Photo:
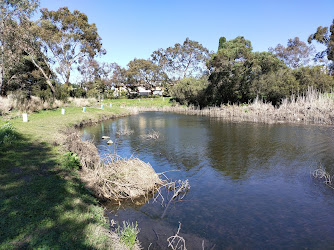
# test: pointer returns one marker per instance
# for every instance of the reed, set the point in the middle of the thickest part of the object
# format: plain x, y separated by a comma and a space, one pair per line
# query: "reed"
152, 135
313, 107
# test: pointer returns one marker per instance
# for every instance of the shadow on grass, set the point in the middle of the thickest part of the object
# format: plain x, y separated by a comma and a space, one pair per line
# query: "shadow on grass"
40, 206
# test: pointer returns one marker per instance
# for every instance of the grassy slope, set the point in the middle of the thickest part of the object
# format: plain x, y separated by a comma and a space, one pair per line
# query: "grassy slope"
41, 204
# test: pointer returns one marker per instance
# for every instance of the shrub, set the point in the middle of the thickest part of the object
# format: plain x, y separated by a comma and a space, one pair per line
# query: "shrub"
71, 161
7, 134
189, 91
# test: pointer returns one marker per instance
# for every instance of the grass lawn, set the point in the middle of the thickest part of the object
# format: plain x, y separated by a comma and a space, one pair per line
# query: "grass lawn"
42, 204
142, 102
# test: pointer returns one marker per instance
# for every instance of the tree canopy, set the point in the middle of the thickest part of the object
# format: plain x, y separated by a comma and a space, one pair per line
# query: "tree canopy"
67, 38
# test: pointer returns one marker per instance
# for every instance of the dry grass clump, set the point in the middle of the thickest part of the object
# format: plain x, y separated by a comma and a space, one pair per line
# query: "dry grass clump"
152, 135
124, 132
6, 105
85, 150
122, 179
22, 104
82, 102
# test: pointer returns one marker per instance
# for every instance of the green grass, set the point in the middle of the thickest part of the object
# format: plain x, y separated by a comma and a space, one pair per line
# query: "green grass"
43, 203
128, 233
142, 102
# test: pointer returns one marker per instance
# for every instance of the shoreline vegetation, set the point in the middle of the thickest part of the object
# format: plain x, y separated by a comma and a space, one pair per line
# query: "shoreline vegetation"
311, 108
44, 204
54, 199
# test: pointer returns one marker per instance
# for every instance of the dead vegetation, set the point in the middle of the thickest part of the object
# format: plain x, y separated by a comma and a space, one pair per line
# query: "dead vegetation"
176, 241
320, 173
20, 103
119, 179
124, 132
152, 135
313, 107
177, 190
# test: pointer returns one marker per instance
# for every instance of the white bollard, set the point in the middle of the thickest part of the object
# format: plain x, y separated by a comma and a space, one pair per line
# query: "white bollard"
101, 106
63, 111
84, 109
139, 99
110, 105
163, 98
151, 99
25, 117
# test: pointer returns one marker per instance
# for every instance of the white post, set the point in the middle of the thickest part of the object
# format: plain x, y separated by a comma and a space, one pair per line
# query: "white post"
101, 106
110, 105
163, 98
63, 111
84, 109
139, 99
25, 117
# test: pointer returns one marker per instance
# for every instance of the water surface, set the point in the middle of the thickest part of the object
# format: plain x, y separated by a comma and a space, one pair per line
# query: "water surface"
251, 186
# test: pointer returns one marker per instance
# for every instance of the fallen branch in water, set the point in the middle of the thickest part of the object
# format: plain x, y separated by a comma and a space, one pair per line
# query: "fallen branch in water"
176, 241
320, 173
153, 135
179, 188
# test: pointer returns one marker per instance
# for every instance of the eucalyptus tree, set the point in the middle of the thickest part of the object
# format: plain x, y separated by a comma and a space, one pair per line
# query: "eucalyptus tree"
325, 36
296, 54
182, 60
11, 12
67, 38
144, 72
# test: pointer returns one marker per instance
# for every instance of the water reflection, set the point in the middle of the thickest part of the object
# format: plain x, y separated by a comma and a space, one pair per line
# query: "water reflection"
250, 183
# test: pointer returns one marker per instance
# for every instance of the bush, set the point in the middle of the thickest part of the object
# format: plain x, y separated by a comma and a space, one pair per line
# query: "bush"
71, 161
7, 134
190, 91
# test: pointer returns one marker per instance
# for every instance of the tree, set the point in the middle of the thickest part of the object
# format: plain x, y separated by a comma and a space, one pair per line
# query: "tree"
325, 36
30, 42
11, 11
231, 70
144, 72
67, 38
182, 60
190, 91
240, 75
295, 54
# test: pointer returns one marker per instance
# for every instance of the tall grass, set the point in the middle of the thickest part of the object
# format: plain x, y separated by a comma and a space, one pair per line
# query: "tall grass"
313, 107
22, 104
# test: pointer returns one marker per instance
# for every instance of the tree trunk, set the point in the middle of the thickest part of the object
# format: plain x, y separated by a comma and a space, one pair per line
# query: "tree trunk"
67, 82
2, 63
48, 81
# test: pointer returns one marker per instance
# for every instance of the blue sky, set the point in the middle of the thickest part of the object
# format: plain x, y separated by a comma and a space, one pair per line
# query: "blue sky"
134, 29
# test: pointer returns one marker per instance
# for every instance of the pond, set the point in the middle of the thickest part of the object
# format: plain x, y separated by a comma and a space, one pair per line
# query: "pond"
251, 185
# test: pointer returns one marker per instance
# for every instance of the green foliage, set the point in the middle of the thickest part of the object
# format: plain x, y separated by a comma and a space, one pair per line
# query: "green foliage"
240, 75
325, 36
182, 60
8, 134
128, 233
145, 73
71, 161
62, 92
316, 77
190, 91
69, 37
